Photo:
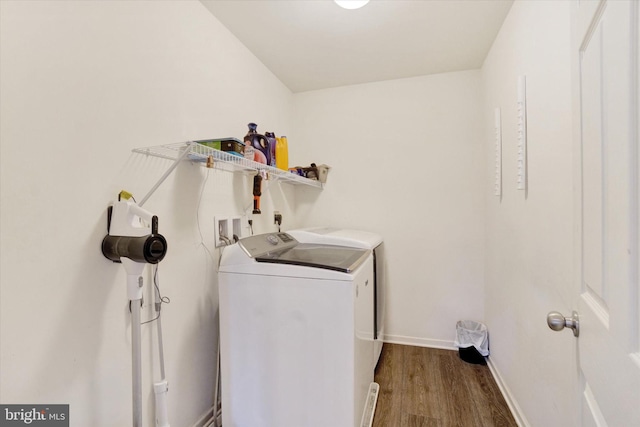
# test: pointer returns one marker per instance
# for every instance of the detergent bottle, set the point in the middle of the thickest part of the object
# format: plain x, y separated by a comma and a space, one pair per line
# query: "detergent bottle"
271, 139
282, 153
259, 143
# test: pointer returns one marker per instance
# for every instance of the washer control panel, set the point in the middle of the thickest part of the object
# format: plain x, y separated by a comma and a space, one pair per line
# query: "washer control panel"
262, 244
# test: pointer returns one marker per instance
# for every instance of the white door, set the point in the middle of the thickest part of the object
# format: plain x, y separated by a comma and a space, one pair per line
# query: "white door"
605, 48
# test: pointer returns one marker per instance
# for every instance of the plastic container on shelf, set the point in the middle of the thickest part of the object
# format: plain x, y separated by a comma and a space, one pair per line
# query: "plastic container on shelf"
282, 153
259, 143
230, 145
271, 140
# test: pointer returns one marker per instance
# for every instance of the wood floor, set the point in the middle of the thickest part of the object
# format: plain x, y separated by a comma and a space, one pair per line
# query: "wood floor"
426, 387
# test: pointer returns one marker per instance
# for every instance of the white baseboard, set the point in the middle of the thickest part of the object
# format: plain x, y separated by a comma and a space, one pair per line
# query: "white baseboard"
449, 345
420, 342
521, 420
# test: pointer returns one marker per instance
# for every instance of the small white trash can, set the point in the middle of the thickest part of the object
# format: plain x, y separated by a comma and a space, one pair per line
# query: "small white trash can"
472, 340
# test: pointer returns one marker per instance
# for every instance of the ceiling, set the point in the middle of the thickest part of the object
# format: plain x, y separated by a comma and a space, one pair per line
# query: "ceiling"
315, 44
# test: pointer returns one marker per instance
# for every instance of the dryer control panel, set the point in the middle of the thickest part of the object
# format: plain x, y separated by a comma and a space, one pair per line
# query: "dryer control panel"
262, 244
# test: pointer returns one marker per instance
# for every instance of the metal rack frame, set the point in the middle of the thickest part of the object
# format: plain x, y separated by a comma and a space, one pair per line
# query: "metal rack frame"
211, 157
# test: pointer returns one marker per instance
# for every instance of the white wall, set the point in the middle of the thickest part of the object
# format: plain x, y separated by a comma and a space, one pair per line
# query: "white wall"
407, 163
529, 234
83, 83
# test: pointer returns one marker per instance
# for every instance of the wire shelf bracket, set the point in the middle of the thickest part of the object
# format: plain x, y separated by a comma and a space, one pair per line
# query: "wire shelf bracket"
209, 157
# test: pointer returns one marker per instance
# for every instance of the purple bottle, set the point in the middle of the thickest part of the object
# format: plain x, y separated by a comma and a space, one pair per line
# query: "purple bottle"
271, 139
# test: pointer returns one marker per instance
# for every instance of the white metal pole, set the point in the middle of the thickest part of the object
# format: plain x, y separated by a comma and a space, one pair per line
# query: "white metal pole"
160, 348
160, 388
136, 357
158, 307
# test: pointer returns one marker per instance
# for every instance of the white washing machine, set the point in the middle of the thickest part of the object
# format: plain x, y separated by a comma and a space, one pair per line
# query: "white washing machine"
357, 239
296, 333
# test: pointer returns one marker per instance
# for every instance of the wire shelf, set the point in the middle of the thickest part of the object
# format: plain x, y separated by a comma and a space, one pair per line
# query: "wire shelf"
224, 160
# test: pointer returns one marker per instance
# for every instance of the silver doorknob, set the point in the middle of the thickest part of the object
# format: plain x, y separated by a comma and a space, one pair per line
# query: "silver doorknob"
558, 322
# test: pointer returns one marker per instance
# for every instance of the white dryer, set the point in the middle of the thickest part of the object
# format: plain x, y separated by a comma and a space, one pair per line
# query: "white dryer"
296, 333
357, 239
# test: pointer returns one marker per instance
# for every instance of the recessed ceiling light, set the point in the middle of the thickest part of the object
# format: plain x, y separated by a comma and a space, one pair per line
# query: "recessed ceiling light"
351, 4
